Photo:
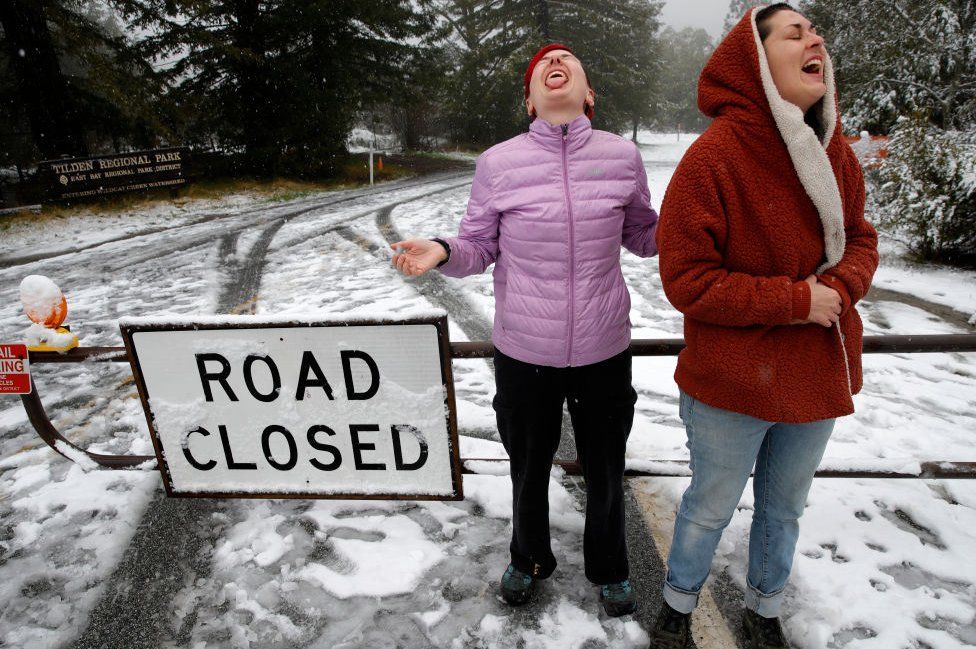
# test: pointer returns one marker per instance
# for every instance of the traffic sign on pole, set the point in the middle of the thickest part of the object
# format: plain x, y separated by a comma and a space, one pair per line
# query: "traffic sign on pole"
14, 370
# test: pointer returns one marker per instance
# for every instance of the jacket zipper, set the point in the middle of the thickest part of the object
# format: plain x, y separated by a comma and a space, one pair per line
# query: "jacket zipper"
572, 248
847, 363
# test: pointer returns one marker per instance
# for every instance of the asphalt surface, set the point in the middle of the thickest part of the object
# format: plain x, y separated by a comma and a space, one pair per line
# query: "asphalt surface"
176, 537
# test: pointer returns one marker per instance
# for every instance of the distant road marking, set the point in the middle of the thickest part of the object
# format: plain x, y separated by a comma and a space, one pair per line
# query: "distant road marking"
247, 306
709, 627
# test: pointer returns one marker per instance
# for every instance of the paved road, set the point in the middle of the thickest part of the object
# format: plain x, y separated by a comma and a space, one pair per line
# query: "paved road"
172, 548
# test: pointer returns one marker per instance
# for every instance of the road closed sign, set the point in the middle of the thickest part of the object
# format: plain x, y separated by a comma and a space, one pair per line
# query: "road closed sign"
243, 407
14, 370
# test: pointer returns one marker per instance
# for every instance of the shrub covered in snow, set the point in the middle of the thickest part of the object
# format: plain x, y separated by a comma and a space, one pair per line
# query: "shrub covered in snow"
926, 191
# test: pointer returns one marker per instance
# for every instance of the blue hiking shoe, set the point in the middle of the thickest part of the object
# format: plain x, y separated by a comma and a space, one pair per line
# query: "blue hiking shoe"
517, 587
618, 599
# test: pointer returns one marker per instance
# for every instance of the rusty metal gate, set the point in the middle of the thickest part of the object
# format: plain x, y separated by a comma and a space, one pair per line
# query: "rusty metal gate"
465, 350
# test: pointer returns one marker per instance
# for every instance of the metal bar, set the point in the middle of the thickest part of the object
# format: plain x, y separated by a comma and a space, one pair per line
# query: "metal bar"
926, 344
678, 468
921, 344
481, 349
38, 417
82, 354
34, 209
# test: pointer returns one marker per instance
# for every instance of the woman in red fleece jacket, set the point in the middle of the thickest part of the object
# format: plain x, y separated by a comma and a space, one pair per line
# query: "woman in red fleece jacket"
765, 249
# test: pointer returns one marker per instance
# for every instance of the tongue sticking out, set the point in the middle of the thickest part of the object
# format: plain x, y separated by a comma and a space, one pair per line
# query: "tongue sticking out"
555, 81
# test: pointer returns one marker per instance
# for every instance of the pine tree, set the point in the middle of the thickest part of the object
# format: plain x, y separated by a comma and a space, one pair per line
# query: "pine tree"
73, 81
492, 43
921, 57
618, 44
685, 53
913, 75
280, 81
738, 9
926, 191
41, 91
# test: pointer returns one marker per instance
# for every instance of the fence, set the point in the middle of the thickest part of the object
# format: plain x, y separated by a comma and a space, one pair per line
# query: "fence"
465, 350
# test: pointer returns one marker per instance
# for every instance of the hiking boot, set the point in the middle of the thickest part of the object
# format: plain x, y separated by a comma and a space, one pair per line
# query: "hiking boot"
517, 587
672, 629
763, 632
618, 599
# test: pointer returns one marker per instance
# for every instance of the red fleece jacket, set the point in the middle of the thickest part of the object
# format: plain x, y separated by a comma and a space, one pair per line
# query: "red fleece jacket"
758, 203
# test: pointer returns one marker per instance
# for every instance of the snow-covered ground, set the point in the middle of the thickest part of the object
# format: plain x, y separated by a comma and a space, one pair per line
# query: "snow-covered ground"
881, 563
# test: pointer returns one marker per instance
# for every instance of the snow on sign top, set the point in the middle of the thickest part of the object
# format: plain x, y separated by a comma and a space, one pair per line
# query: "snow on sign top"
251, 320
262, 407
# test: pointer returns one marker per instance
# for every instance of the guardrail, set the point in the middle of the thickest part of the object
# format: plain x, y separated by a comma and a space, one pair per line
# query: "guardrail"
462, 350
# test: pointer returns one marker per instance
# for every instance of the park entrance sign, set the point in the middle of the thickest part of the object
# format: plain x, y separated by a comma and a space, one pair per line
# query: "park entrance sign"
111, 174
243, 407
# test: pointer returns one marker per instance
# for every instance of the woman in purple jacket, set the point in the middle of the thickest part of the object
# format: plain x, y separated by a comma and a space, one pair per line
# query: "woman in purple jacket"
551, 208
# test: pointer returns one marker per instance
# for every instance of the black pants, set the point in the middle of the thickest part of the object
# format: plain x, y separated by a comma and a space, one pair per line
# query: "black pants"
529, 409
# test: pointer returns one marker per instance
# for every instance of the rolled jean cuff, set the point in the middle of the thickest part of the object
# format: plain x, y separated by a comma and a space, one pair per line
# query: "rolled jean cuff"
762, 604
682, 601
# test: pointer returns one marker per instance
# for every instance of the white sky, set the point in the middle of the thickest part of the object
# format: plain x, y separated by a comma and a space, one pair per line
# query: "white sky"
707, 14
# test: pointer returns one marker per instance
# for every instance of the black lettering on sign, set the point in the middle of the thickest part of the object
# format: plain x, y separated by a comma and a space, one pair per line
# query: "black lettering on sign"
292, 449
229, 455
196, 464
374, 381
249, 379
206, 376
309, 364
358, 447
398, 449
319, 446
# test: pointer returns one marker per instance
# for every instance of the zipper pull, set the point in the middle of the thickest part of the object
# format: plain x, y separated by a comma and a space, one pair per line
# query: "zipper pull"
565, 128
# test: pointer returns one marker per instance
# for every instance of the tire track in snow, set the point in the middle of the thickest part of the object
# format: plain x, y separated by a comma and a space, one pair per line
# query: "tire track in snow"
947, 313
175, 540
215, 217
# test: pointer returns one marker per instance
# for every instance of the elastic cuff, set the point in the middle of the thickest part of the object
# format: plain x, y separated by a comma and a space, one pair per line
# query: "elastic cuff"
800, 292
762, 604
447, 249
680, 600
837, 285
535, 570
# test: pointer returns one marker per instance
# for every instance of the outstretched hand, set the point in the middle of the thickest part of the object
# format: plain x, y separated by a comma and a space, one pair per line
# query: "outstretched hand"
416, 256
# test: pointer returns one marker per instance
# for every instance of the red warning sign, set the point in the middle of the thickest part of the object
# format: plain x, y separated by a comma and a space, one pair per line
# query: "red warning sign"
14, 370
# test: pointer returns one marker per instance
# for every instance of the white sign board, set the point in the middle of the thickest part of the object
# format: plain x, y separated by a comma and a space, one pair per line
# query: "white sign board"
240, 407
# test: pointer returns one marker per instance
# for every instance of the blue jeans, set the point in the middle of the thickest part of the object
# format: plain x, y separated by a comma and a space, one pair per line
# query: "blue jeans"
724, 446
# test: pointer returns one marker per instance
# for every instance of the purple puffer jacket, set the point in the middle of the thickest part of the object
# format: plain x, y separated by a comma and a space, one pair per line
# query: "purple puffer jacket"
551, 208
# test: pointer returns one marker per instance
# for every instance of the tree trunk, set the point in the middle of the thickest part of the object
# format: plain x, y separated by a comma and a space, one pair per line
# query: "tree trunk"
40, 88
543, 6
261, 152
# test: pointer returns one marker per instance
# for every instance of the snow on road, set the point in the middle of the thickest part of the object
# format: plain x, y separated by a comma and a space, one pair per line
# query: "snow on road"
880, 563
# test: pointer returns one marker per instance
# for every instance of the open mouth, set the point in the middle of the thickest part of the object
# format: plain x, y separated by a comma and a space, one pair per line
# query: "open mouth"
556, 79
813, 67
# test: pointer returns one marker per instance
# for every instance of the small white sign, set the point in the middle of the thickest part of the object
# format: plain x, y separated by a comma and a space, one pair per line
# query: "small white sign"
252, 408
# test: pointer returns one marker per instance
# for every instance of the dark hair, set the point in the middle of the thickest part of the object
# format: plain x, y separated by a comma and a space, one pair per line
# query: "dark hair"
764, 14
